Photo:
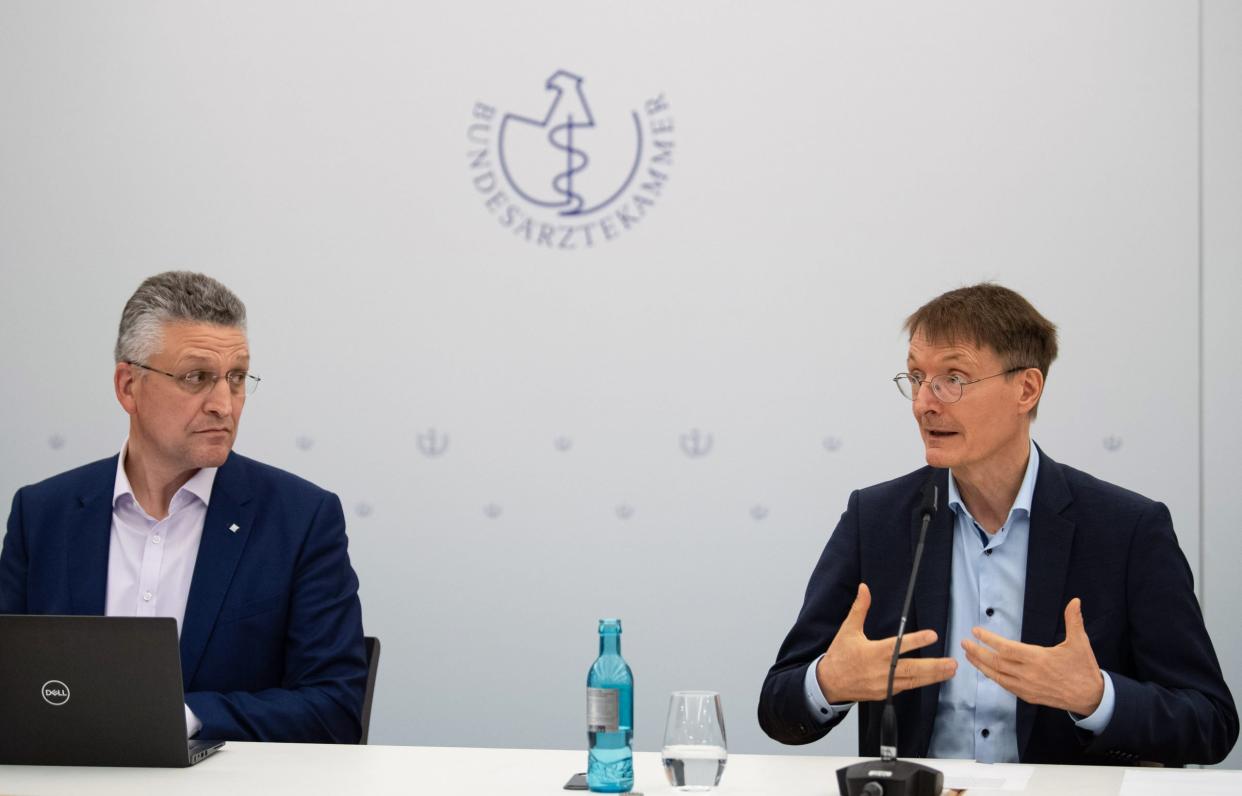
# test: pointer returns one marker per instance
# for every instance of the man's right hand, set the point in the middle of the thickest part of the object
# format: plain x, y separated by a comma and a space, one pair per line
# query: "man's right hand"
855, 668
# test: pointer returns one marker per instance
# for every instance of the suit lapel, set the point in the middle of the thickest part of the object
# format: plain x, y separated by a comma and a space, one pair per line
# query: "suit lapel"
930, 608
1047, 565
226, 530
88, 552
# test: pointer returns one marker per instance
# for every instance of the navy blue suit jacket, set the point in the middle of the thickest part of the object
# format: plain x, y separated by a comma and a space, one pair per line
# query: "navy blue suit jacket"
271, 645
1113, 548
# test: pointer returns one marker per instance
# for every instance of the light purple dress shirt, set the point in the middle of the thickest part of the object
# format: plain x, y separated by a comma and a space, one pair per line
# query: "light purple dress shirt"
151, 562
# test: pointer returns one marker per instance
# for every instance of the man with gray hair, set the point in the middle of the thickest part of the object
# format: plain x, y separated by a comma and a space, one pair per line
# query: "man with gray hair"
251, 561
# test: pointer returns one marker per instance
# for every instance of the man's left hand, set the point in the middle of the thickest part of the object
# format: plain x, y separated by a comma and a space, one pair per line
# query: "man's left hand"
1065, 676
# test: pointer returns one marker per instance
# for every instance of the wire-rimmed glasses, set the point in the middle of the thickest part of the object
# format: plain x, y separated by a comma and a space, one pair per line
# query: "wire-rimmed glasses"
945, 386
197, 381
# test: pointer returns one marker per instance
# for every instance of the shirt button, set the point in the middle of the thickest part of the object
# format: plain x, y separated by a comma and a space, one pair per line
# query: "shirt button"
990, 611
156, 539
984, 732
146, 597
988, 552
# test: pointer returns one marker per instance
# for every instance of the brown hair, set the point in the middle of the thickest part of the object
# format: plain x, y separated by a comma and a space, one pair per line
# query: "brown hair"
989, 315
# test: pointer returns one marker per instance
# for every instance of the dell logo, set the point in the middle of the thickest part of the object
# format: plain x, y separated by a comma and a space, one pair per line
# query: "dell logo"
55, 692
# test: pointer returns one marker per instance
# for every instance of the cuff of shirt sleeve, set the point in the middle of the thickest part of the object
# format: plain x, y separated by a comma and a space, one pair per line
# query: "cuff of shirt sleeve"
192, 724
1097, 721
815, 700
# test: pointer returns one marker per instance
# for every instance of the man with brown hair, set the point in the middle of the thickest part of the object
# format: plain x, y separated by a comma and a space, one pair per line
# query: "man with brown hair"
1054, 616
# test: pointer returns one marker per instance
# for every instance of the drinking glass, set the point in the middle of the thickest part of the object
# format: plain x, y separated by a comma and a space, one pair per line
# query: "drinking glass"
695, 748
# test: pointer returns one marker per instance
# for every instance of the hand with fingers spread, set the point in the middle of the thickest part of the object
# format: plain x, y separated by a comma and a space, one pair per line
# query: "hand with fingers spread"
1065, 676
855, 668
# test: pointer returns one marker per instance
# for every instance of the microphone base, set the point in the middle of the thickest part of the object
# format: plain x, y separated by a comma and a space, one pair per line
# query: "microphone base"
889, 778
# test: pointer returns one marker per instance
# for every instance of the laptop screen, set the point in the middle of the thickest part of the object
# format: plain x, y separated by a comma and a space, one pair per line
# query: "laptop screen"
91, 690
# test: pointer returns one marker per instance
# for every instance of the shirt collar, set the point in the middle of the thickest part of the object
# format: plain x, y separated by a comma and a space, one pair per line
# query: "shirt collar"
1026, 492
199, 485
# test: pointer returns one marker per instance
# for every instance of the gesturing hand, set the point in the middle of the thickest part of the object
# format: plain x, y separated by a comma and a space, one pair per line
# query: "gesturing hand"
1065, 676
855, 669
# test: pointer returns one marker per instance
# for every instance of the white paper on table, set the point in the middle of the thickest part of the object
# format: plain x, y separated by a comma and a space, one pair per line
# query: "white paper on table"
967, 774
1163, 781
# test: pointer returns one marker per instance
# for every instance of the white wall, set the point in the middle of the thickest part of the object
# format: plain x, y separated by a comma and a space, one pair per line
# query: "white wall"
835, 164
1222, 328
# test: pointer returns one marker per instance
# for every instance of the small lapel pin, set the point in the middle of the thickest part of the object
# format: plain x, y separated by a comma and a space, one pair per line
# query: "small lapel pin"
234, 528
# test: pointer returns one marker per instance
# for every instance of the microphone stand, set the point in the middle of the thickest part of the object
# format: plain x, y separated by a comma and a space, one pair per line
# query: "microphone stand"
889, 776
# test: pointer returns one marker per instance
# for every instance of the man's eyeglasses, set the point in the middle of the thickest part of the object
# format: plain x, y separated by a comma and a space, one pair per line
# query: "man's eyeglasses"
197, 381
947, 388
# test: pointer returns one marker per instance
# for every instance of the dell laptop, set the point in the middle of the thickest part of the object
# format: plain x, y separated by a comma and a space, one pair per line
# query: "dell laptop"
93, 691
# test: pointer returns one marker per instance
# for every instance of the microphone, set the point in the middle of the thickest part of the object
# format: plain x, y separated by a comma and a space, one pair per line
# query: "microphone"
889, 776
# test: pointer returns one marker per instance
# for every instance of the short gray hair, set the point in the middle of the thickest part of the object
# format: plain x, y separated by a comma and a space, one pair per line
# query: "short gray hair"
171, 297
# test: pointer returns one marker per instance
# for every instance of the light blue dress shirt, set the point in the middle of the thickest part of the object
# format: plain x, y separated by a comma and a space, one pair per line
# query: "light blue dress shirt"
976, 718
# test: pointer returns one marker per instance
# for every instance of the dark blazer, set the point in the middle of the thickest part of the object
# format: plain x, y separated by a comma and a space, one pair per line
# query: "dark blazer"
271, 645
1113, 548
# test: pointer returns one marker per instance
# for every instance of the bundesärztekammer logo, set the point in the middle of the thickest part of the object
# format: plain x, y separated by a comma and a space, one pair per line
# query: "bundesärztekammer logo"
570, 178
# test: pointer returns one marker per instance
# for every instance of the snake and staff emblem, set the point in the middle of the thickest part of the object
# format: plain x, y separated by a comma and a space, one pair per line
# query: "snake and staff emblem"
547, 161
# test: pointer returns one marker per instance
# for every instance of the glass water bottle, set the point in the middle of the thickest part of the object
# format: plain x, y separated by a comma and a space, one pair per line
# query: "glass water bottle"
610, 715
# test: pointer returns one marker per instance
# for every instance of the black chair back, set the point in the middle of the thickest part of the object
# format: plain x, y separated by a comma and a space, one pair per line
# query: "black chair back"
373, 652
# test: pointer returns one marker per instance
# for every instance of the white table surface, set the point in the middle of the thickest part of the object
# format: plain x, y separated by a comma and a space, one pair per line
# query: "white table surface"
273, 769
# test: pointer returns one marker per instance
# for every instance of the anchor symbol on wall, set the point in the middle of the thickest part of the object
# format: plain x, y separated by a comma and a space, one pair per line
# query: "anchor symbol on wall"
432, 442
696, 443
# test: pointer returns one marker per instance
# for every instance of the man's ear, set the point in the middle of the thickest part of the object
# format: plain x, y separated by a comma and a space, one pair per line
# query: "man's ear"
1031, 382
123, 381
